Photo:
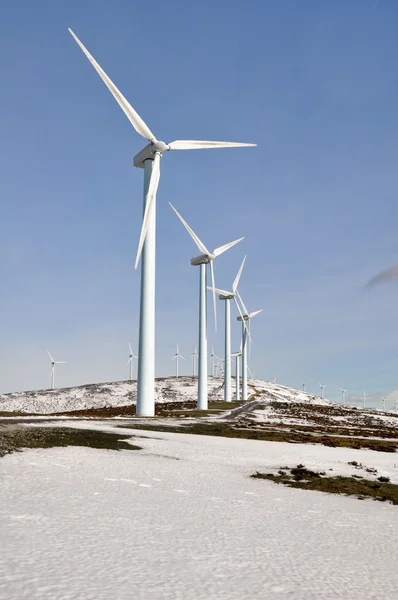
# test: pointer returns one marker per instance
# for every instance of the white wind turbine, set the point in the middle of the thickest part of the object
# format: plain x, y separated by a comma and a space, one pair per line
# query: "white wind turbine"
53, 363
322, 388
213, 356
130, 361
364, 400
227, 297
237, 356
176, 357
384, 403
343, 395
149, 160
194, 357
204, 259
245, 319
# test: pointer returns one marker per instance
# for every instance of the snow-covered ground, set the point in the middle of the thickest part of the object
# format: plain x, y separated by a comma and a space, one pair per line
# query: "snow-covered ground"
123, 393
182, 519
99, 395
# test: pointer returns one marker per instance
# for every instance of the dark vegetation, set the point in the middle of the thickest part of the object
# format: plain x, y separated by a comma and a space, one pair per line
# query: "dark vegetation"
14, 438
236, 430
305, 479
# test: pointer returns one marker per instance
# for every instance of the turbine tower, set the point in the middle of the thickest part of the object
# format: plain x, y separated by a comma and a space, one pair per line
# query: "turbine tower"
176, 356
245, 319
53, 363
322, 388
384, 403
364, 400
342, 396
194, 357
149, 160
227, 297
130, 361
206, 258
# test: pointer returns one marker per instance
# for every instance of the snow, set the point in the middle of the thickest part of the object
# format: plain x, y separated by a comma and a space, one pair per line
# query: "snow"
182, 519
123, 393
119, 393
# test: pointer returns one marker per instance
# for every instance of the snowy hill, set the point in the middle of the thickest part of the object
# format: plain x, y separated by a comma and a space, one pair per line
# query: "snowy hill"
123, 393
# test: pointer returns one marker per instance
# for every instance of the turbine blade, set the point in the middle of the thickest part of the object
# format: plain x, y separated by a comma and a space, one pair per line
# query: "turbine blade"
256, 312
60, 362
193, 235
52, 360
129, 360
236, 281
213, 284
149, 204
201, 144
243, 304
240, 313
223, 292
131, 352
181, 357
222, 249
139, 125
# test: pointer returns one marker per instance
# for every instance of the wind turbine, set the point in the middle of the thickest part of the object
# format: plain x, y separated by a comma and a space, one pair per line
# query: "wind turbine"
194, 357
176, 356
237, 356
343, 396
303, 387
384, 403
149, 160
130, 361
206, 258
396, 404
53, 363
322, 388
364, 400
246, 319
227, 297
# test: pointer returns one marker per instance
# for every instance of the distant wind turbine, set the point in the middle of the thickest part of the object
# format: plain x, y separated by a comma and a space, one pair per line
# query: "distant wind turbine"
130, 361
384, 403
322, 388
364, 400
149, 160
194, 357
343, 396
176, 357
53, 363
227, 297
206, 258
246, 320
237, 356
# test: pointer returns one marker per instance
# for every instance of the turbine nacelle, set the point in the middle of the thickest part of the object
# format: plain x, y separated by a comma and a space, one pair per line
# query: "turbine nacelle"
203, 259
148, 153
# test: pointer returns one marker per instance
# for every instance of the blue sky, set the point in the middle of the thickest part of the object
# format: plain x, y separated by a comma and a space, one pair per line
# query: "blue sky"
313, 83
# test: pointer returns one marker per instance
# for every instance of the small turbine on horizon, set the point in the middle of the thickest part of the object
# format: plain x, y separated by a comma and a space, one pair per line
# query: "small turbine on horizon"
53, 363
202, 261
384, 403
177, 356
364, 400
130, 361
237, 356
194, 357
343, 396
322, 388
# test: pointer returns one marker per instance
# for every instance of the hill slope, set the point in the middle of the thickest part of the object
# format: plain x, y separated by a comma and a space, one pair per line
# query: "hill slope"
123, 393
